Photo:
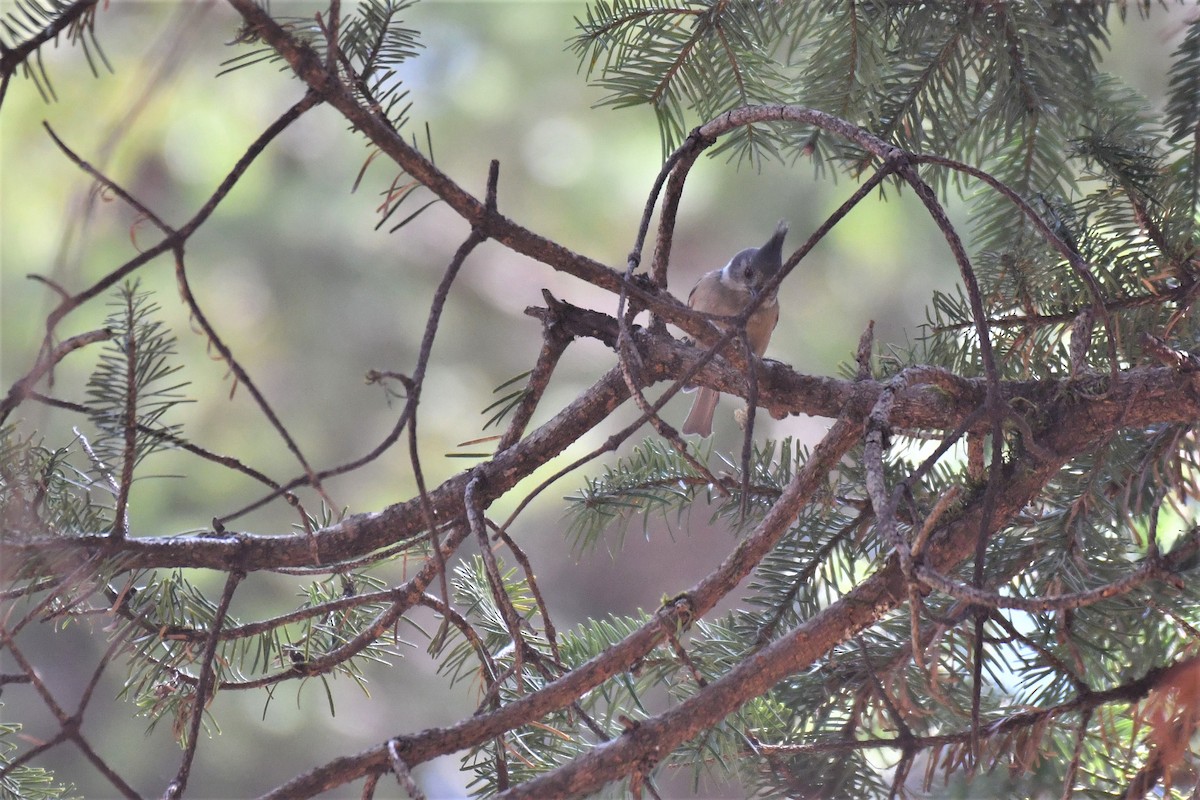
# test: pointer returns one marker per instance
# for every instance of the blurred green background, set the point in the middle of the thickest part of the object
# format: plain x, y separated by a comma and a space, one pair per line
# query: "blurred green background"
298, 282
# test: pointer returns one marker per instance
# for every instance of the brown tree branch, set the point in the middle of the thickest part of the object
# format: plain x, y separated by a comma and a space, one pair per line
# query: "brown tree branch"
1140, 397
858, 609
183, 233
23, 388
205, 684
1083, 703
617, 658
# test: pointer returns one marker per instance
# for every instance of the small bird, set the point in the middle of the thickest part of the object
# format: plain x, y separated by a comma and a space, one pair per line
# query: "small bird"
727, 292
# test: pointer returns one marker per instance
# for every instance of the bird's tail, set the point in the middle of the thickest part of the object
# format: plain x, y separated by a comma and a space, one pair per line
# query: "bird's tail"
699, 419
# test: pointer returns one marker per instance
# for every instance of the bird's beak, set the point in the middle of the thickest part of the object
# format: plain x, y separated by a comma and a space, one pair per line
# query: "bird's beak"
770, 256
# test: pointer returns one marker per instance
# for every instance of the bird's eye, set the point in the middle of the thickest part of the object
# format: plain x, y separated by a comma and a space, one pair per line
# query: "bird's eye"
748, 273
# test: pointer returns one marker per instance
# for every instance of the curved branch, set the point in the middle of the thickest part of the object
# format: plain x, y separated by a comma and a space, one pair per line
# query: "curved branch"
182, 234
23, 388
618, 658
858, 609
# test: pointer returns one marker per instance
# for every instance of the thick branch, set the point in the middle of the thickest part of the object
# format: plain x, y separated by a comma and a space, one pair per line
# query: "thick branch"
618, 658
932, 400
880, 594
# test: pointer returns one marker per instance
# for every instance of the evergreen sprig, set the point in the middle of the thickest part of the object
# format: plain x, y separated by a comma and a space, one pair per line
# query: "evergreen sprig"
373, 43
1183, 88
42, 492
32, 24
685, 60
24, 782
377, 42
655, 480
167, 614
130, 390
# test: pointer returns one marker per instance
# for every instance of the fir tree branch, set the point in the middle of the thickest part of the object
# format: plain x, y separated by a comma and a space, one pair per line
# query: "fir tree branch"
861, 607
1162, 396
13, 57
617, 658
1086, 465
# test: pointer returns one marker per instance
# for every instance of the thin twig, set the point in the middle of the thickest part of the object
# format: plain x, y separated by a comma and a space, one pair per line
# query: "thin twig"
677, 165
1148, 570
512, 619
23, 387
243, 378
531, 581
182, 234
554, 343
490, 672
747, 423
112, 186
204, 687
